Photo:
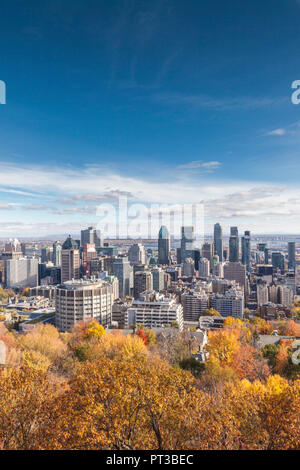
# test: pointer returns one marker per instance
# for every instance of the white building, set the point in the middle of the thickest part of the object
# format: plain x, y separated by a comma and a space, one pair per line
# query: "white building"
262, 293
77, 300
188, 267
286, 296
204, 267
218, 269
230, 304
22, 272
155, 310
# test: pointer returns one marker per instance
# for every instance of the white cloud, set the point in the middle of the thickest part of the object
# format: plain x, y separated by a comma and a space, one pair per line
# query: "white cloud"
225, 201
199, 164
278, 132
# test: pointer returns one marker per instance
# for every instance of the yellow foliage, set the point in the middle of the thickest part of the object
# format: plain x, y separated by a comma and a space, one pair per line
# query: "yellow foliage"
36, 360
95, 330
45, 340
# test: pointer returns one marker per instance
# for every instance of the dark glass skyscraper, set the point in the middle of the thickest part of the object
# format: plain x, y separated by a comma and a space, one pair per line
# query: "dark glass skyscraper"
187, 243
278, 261
163, 246
218, 242
234, 246
246, 250
291, 255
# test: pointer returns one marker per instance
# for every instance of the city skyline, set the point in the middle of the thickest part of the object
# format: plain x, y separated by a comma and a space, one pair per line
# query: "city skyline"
136, 109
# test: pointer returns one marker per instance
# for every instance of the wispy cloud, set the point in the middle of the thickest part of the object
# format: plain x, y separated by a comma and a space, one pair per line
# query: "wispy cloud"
105, 196
292, 130
277, 132
213, 165
6, 207
221, 104
76, 210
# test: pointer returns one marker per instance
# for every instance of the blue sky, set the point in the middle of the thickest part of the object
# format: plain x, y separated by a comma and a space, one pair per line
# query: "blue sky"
166, 101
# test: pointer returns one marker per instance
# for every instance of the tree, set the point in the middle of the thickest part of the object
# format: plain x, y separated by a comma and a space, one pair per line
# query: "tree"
26, 399
43, 339
289, 328
211, 312
125, 405
261, 326
142, 335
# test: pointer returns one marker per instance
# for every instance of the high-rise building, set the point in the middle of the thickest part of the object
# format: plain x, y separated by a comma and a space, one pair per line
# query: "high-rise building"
21, 272
208, 252
137, 254
278, 261
158, 277
218, 241
230, 304
188, 269
57, 254
81, 300
204, 267
163, 246
218, 270
291, 255
266, 255
196, 257
234, 245
246, 250
187, 243
142, 282
262, 293
91, 236
286, 296
123, 271
88, 253
235, 272
47, 254
70, 260
194, 304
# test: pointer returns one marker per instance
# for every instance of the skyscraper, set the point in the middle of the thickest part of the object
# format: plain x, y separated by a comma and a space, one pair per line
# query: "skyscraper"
163, 246
88, 253
246, 250
90, 236
218, 241
122, 270
187, 242
291, 255
266, 255
47, 254
234, 245
70, 260
278, 261
57, 254
235, 271
158, 278
143, 281
208, 252
137, 254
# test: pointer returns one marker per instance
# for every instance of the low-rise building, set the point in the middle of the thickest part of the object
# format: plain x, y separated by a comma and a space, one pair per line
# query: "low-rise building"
152, 309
